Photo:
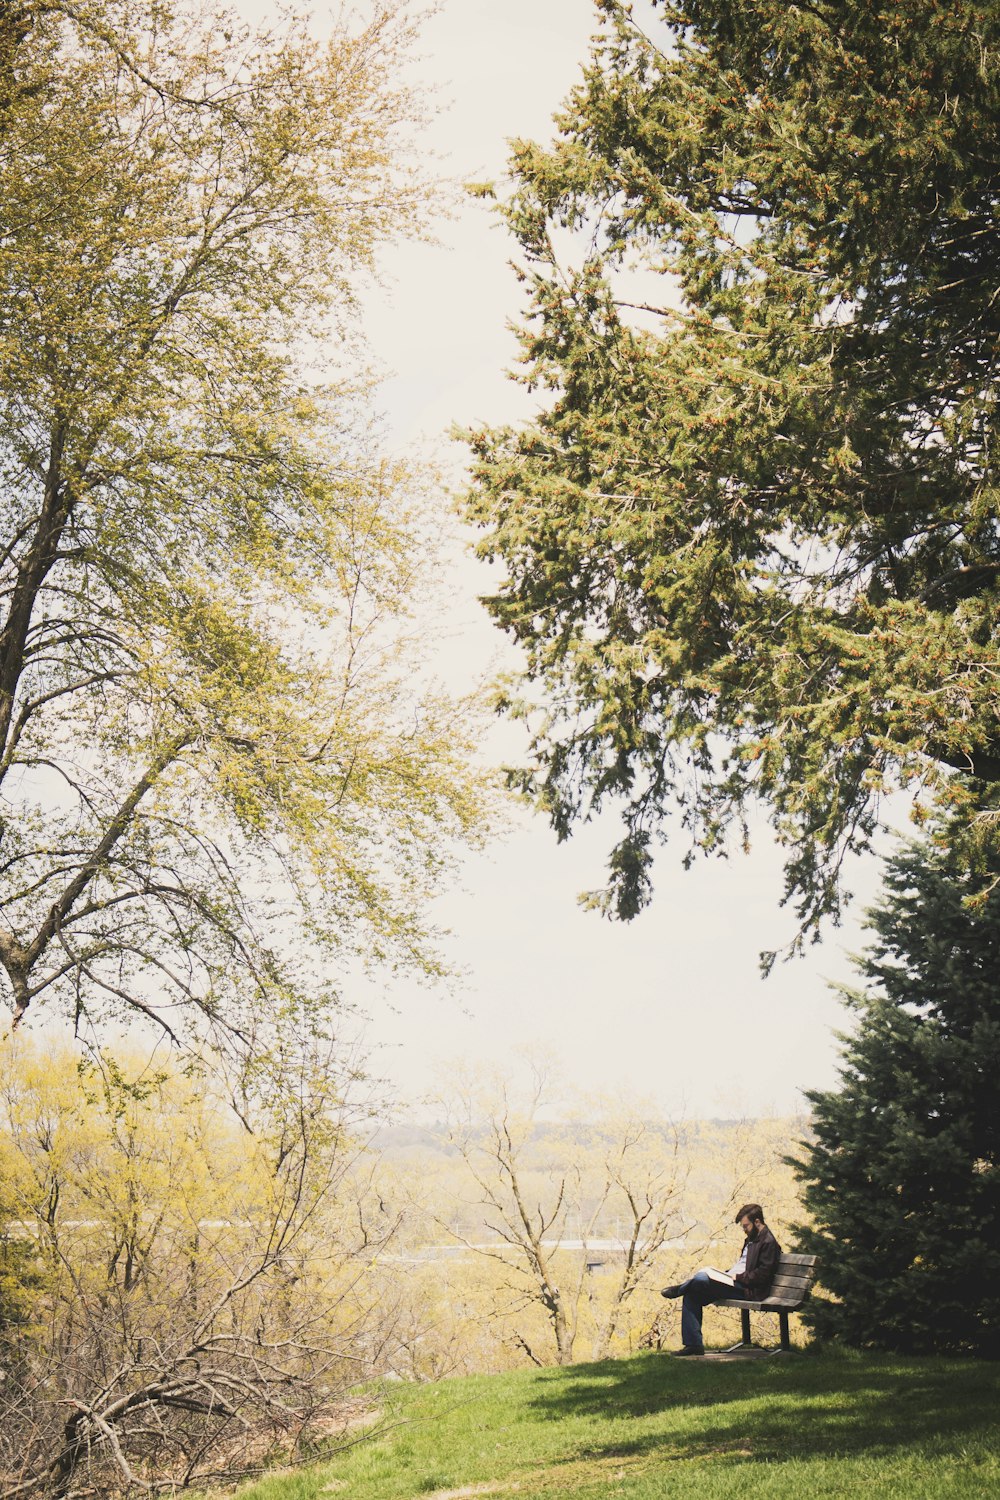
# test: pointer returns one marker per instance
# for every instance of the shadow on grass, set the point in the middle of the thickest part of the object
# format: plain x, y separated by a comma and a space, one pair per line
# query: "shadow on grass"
811, 1406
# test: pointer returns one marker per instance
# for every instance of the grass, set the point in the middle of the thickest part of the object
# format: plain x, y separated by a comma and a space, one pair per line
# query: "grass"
798, 1428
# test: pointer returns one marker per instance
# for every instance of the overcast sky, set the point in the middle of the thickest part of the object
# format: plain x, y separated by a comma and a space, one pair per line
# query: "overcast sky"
671, 1006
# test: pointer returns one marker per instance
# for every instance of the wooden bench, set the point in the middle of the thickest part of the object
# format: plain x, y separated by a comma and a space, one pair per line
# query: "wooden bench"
791, 1286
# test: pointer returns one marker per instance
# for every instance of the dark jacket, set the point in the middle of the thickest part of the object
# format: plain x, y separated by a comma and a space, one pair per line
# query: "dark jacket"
763, 1251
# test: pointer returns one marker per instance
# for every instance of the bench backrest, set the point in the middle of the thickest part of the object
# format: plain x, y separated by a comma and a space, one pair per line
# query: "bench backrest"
794, 1278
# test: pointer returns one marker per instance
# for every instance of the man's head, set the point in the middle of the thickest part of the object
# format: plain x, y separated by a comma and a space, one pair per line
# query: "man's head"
750, 1217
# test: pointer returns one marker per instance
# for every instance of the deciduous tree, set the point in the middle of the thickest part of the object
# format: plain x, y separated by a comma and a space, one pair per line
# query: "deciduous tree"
223, 766
546, 1191
200, 1290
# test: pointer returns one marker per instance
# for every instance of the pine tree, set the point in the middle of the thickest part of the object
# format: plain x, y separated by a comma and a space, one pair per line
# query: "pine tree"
903, 1176
750, 542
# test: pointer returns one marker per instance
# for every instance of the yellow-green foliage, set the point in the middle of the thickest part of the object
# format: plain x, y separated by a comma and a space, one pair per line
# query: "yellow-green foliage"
223, 764
144, 1198
137, 1186
202, 1283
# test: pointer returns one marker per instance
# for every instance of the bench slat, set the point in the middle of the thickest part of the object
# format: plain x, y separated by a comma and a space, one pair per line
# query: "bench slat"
769, 1304
782, 1294
797, 1260
794, 1286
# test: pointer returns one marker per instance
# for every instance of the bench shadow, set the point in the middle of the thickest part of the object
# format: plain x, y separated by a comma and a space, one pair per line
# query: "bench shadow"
812, 1407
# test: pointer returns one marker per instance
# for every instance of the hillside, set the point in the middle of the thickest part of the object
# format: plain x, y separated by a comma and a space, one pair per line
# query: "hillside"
804, 1426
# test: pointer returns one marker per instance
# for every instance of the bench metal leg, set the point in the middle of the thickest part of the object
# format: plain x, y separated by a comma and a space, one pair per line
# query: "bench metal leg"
747, 1342
786, 1342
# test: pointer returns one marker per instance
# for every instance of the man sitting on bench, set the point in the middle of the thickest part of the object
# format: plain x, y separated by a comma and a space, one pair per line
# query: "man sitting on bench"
750, 1278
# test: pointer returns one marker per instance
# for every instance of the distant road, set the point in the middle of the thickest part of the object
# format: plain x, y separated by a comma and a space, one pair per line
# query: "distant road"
454, 1251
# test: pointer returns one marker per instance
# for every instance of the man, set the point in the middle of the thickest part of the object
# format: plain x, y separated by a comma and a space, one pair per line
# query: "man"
752, 1276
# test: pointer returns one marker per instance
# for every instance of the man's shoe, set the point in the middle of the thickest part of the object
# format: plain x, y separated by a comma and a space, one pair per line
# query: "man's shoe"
673, 1291
688, 1349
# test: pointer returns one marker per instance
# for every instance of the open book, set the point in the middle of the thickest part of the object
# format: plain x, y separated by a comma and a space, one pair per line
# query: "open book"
723, 1277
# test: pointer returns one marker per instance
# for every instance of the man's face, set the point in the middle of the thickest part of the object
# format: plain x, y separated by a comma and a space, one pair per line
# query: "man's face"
746, 1224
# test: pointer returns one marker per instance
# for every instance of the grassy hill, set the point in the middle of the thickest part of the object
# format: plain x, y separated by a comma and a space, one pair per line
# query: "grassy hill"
800, 1427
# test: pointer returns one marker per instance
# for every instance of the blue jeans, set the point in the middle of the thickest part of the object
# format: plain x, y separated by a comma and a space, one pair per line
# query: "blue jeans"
699, 1291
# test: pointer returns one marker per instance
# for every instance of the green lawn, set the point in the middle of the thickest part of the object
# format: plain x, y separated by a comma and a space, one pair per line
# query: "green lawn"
797, 1427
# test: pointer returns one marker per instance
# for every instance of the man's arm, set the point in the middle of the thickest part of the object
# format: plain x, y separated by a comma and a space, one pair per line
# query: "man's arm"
759, 1279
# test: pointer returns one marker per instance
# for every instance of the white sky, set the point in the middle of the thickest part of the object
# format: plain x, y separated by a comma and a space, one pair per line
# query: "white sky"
670, 1007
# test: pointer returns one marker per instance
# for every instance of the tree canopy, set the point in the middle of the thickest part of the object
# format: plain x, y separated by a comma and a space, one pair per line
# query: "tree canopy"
222, 764
902, 1178
750, 538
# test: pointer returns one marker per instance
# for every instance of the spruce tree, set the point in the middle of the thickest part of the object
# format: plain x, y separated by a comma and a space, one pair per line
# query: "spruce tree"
903, 1176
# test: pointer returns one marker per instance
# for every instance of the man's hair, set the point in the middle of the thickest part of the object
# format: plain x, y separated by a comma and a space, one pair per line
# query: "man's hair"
750, 1211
